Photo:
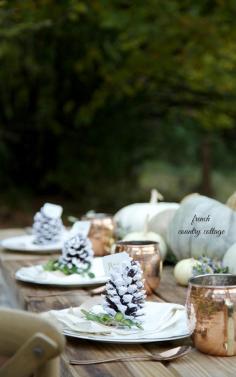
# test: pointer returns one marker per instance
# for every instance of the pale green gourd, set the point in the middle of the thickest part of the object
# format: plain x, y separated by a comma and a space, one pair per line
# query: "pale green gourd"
221, 218
229, 259
183, 270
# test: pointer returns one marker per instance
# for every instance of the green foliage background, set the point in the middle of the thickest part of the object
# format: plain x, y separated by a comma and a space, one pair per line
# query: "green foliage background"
101, 100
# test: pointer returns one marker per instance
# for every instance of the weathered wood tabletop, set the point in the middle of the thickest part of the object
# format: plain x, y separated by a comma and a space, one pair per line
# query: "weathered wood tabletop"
38, 299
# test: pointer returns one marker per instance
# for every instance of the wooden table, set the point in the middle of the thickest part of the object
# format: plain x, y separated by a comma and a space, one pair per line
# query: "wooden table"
39, 299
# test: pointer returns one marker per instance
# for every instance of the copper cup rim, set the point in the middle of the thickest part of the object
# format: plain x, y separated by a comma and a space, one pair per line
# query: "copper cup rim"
198, 281
137, 243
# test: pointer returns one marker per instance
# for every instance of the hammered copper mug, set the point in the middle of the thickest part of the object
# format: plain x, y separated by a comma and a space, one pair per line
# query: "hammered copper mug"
211, 303
147, 253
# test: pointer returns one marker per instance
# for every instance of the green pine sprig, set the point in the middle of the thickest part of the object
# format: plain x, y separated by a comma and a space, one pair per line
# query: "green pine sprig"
106, 319
54, 265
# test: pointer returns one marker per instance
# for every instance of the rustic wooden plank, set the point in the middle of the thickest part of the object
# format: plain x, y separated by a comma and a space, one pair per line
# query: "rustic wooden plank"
86, 350
6, 296
3, 297
198, 364
168, 290
20, 294
153, 369
4, 301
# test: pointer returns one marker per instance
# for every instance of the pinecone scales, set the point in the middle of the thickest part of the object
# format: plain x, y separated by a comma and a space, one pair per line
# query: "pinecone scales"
46, 229
125, 291
77, 253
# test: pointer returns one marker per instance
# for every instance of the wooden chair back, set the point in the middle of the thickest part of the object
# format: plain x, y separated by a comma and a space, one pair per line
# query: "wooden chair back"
30, 343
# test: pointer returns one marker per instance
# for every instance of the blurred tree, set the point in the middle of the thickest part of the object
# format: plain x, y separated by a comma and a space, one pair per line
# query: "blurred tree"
89, 89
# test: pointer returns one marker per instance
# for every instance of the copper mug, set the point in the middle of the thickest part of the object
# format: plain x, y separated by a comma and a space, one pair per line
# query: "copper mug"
147, 253
211, 302
101, 232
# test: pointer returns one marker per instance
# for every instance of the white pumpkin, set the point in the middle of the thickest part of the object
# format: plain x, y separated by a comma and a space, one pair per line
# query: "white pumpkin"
132, 218
160, 222
229, 259
212, 216
183, 270
148, 236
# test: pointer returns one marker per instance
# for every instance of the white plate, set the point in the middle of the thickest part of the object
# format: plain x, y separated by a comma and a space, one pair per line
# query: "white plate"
25, 244
37, 275
105, 339
159, 325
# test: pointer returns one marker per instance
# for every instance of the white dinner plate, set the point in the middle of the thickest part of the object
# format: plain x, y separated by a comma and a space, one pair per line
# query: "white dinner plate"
158, 325
105, 339
26, 243
37, 275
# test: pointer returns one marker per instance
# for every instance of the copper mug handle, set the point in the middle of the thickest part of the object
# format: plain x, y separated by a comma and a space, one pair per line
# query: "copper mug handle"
229, 345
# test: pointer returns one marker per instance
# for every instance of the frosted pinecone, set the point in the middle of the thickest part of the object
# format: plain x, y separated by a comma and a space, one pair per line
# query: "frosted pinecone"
77, 253
46, 229
125, 291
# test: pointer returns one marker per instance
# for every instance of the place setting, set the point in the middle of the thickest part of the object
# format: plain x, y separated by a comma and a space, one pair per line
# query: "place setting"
77, 266
123, 314
47, 233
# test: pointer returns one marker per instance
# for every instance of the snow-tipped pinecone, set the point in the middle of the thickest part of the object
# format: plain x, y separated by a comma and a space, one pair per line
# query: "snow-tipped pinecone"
125, 291
77, 253
46, 229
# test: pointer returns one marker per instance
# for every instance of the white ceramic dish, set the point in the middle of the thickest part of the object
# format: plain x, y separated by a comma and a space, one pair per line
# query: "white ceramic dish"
37, 275
25, 243
162, 322
105, 339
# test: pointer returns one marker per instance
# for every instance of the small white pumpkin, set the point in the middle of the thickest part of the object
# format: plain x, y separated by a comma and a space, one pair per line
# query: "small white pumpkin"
132, 217
183, 270
148, 236
229, 259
